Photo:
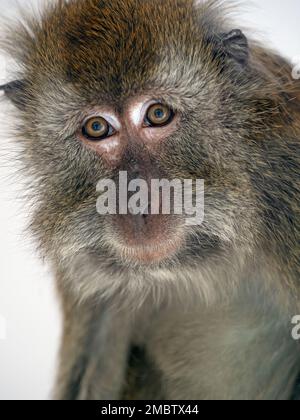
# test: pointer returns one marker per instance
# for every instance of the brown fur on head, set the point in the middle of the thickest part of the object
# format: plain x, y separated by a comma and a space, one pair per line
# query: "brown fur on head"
238, 130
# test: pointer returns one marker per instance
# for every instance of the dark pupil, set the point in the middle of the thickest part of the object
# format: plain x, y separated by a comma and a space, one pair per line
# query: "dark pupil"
159, 113
97, 126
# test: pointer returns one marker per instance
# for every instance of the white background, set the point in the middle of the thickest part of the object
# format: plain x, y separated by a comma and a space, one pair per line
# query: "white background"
27, 302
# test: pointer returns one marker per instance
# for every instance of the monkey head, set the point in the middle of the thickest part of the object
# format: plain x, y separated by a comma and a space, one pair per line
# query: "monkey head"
161, 90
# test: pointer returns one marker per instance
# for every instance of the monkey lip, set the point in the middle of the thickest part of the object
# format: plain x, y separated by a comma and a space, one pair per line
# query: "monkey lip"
151, 253
147, 240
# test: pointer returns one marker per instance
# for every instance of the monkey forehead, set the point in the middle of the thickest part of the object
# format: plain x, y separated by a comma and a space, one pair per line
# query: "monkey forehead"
119, 45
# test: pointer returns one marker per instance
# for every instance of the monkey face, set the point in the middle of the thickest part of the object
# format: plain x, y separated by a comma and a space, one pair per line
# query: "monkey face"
142, 88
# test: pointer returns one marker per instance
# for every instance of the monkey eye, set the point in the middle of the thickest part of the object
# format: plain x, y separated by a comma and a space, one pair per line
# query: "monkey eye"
158, 115
97, 128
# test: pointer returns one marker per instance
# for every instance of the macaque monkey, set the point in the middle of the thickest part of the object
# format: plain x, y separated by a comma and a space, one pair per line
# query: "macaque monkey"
154, 308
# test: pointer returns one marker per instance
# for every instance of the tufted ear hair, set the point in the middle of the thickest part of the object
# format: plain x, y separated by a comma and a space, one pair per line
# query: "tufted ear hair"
15, 92
230, 47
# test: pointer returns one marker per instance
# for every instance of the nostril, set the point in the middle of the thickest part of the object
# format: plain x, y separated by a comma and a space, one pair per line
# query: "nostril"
146, 211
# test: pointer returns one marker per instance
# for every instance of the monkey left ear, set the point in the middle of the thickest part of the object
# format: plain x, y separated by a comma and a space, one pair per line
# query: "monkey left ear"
15, 91
231, 46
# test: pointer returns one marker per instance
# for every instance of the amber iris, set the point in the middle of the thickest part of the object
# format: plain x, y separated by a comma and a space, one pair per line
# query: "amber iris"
96, 128
159, 115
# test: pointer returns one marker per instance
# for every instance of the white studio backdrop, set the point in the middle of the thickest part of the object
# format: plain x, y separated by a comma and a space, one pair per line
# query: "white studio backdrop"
29, 316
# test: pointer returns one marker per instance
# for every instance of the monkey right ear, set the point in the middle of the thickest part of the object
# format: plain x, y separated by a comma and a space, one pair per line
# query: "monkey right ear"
232, 46
15, 92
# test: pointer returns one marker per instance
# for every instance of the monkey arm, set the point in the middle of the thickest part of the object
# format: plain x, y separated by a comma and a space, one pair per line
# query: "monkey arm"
296, 392
93, 354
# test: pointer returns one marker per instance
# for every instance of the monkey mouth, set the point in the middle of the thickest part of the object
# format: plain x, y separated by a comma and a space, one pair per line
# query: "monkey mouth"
148, 249
151, 254
146, 240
